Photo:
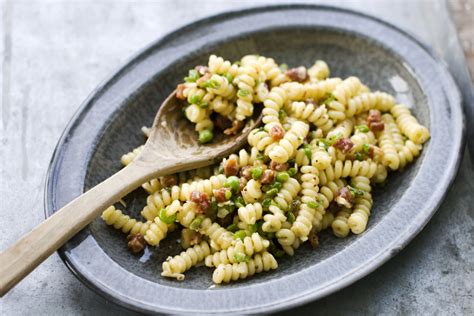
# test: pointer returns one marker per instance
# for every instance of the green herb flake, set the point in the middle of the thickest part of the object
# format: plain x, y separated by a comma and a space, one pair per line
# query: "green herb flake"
240, 257
241, 234
312, 204
329, 98
232, 228
193, 76
362, 128
165, 218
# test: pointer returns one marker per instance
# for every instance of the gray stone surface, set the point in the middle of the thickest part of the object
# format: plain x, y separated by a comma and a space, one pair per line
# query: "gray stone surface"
53, 55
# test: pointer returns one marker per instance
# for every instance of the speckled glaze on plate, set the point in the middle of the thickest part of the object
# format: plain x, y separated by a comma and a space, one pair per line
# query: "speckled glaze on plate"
108, 125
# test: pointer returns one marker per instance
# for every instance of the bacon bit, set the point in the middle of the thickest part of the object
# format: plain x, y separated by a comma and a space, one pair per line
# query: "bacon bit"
202, 201
277, 133
219, 194
236, 126
231, 168
268, 176
169, 180
136, 243
279, 166
333, 207
246, 173
313, 238
297, 74
374, 121
222, 122
344, 197
180, 90
202, 69
344, 145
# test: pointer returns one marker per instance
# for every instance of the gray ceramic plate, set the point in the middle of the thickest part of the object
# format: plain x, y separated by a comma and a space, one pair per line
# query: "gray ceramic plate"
108, 124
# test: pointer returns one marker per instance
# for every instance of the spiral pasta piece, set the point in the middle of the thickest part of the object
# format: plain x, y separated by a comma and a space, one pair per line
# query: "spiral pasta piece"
217, 65
287, 146
369, 100
360, 215
318, 115
320, 90
408, 152
174, 267
246, 82
224, 273
348, 168
287, 193
386, 143
250, 213
220, 236
252, 191
156, 232
129, 157
409, 124
304, 221
239, 251
339, 226
118, 220
273, 103
319, 71
347, 89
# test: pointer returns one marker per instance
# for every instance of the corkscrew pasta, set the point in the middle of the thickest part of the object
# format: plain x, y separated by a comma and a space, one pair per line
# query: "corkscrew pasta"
310, 167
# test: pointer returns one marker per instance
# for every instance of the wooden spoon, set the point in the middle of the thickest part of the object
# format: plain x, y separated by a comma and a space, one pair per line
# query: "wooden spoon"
172, 147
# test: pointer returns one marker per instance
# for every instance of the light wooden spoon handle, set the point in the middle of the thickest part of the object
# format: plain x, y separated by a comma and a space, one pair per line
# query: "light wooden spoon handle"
27, 253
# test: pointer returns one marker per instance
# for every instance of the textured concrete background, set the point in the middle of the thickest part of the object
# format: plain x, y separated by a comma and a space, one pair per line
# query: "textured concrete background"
54, 54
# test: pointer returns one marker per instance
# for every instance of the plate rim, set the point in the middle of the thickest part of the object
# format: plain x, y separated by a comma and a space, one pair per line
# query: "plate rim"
375, 262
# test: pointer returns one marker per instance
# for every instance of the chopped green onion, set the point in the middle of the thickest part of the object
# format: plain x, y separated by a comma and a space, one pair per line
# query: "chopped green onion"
271, 193
196, 223
193, 76
165, 218
229, 77
312, 204
253, 228
232, 228
266, 203
329, 98
213, 84
232, 182
283, 176
307, 151
359, 156
355, 191
276, 185
222, 212
362, 128
239, 202
205, 136
278, 253
366, 148
291, 217
292, 171
203, 105
282, 114
228, 194
256, 172
240, 234
195, 99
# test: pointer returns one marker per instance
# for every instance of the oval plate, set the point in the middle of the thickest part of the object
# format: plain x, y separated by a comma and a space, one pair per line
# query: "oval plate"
108, 125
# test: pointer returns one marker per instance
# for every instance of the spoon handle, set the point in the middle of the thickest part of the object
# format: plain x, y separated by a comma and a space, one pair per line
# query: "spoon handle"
27, 253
